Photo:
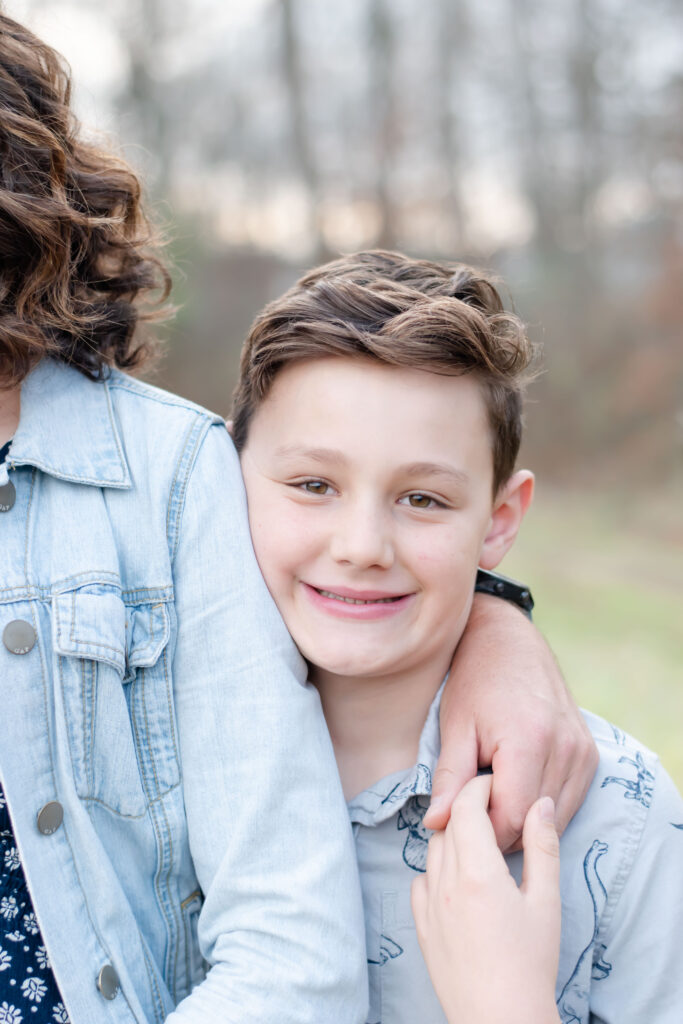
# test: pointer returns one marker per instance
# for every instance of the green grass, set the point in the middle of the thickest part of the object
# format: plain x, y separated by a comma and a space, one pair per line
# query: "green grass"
607, 578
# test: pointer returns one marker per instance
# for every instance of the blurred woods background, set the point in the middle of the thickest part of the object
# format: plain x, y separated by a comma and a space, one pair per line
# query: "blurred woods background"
543, 138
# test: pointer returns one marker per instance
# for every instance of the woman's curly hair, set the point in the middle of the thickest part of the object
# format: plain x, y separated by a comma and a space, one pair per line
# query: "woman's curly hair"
78, 260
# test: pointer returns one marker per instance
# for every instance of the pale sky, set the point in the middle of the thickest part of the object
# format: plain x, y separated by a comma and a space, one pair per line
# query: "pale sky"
85, 33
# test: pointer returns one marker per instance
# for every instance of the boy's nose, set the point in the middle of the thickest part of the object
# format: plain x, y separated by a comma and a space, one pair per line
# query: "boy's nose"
362, 538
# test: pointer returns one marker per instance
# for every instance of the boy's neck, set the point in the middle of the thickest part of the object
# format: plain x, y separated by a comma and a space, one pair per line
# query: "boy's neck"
375, 723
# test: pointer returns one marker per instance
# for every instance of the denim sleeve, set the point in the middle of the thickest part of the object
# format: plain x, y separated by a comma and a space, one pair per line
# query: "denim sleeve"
281, 926
638, 958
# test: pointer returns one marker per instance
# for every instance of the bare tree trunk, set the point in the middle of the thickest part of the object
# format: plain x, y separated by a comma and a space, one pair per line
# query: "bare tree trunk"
386, 117
144, 35
533, 141
451, 47
301, 141
582, 63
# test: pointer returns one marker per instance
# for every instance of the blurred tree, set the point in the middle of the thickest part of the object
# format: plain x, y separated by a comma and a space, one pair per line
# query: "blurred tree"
145, 26
451, 45
387, 116
533, 143
302, 146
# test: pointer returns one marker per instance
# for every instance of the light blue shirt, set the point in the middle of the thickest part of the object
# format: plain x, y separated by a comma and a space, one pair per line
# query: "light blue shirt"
621, 857
165, 708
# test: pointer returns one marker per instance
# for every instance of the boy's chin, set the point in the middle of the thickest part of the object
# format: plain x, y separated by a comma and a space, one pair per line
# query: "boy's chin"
342, 664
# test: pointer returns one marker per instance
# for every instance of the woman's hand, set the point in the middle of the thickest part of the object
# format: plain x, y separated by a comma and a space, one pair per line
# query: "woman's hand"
491, 947
506, 705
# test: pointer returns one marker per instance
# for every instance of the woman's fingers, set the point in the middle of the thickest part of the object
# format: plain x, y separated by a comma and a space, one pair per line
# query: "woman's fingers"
435, 855
457, 763
470, 914
541, 872
469, 834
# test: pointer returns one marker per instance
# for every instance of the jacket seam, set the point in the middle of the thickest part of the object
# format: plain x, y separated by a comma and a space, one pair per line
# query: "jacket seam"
117, 441
159, 1011
71, 477
163, 869
171, 716
130, 817
176, 499
29, 509
163, 595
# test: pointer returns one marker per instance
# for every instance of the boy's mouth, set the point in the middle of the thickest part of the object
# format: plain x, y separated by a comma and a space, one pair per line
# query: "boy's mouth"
357, 600
365, 604
349, 597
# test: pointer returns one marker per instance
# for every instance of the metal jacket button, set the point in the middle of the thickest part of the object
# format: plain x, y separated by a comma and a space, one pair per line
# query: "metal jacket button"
108, 982
50, 817
8, 496
19, 637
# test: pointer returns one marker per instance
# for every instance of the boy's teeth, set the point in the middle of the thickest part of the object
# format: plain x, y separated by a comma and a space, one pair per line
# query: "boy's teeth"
353, 600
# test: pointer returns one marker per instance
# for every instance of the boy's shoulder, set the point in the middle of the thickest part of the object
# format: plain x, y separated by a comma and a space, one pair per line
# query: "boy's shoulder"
629, 775
629, 788
631, 814
624, 761
622, 888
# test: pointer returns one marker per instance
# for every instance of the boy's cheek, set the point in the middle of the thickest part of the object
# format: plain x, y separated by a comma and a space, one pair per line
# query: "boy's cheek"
266, 550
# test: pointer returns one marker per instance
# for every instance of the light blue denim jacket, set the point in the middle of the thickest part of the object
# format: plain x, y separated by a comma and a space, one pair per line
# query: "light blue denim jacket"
164, 707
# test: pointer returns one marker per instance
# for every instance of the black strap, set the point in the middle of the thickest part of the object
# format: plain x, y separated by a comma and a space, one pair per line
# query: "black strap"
502, 586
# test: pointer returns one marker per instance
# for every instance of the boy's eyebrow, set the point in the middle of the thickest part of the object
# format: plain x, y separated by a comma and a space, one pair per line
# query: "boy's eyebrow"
457, 476
316, 454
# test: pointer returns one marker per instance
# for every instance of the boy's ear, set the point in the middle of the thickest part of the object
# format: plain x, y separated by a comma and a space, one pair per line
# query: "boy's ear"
512, 501
229, 424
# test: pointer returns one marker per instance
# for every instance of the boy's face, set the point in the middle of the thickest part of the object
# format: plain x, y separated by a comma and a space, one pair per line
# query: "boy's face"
370, 507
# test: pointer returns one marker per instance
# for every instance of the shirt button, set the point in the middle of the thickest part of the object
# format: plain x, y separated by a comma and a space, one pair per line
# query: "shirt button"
50, 817
19, 637
108, 982
8, 496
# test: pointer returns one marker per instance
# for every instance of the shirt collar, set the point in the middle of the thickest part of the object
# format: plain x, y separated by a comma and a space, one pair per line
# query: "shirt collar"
390, 794
67, 428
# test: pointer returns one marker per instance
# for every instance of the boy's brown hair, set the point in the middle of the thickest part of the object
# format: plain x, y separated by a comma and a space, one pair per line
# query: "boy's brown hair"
444, 318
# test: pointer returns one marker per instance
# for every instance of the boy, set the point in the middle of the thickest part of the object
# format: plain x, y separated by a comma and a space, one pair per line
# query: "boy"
378, 417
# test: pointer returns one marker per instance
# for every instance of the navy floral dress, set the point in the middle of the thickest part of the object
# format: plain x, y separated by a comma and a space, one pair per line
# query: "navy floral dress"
28, 990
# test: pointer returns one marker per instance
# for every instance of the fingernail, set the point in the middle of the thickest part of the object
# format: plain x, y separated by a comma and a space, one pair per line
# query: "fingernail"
437, 805
546, 809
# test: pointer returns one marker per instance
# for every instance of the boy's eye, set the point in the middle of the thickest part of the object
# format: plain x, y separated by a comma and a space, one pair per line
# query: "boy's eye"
316, 487
419, 501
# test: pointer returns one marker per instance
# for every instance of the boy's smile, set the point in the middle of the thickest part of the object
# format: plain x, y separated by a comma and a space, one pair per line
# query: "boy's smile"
356, 604
370, 506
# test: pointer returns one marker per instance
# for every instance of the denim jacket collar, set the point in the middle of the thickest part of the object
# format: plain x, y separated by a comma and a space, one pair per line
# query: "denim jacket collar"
67, 428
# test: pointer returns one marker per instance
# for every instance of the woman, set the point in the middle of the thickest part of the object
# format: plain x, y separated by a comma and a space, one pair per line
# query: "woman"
169, 794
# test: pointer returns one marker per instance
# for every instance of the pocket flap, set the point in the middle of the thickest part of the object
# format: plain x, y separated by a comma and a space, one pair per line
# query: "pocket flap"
148, 632
91, 626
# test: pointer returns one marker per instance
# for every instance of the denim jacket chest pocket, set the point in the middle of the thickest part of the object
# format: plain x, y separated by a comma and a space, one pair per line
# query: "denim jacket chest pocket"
112, 663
